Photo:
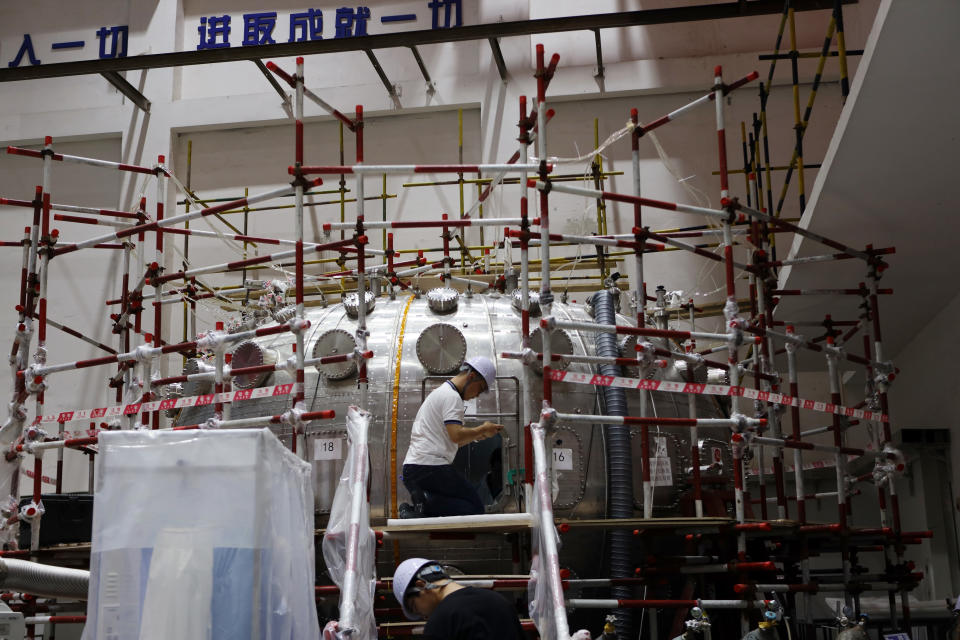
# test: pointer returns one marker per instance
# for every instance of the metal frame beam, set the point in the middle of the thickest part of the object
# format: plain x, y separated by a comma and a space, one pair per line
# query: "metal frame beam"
276, 86
391, 89
420, 37
423, 67
498, 58
599, 47
127, 89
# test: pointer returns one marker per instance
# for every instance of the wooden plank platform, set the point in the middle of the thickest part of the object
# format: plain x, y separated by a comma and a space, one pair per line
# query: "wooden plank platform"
483, 523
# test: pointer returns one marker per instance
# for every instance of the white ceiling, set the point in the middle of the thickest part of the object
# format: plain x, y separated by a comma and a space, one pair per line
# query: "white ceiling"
887, 176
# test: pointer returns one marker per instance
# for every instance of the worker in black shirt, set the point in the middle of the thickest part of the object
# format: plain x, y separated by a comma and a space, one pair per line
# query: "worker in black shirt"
453, 611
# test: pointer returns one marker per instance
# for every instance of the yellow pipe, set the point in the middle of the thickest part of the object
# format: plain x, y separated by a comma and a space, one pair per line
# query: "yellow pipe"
395, 405
798, 123
310, 204
743, 141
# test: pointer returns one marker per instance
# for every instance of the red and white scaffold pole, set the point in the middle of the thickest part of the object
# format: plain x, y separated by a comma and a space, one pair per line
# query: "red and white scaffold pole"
240, 264
793, 380
613, 196
544, 74
33, 512
524, 124
292, 81
362, 332
289, 365
694, 435
36, 372
71, 209
156, 268
425, 224
690, 106
876, 269
554, 323
797, 437
45, 245
183, 217
549, 558
391, 169
840, 463
610, 603
298, 184
290, 416
738, 422
93, 162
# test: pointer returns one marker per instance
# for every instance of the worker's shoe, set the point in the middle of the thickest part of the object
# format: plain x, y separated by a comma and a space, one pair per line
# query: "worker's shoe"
408, 511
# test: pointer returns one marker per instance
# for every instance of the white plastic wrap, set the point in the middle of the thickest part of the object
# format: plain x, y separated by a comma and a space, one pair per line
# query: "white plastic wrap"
544, 593
349, 544
205, 535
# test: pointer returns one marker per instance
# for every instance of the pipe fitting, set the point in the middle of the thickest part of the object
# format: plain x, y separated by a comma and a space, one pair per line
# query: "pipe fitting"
742, 426
32, 511
528, 356
215, 340
297, 325
549, 323
34, 381
548, 416
294, 417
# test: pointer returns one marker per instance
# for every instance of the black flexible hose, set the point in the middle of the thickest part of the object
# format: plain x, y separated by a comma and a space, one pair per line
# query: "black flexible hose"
619, 463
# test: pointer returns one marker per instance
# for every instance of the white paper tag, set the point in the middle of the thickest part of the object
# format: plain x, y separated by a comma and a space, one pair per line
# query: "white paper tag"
328, 449
661, 471
563, 459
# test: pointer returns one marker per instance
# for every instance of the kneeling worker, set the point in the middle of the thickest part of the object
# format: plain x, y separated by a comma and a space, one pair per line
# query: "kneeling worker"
437, 489
453, 611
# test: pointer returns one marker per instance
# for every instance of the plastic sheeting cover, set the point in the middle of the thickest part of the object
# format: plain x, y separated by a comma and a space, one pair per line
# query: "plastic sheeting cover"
349, 544
201, 534
541, 599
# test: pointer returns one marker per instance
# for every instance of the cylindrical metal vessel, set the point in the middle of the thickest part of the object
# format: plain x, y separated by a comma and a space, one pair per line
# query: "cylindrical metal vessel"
416, 346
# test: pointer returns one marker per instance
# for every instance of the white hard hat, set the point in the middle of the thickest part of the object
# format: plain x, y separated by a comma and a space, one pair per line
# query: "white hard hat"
485, 367
403, 578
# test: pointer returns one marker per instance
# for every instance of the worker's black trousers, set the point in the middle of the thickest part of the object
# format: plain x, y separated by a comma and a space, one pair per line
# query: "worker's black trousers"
446, 492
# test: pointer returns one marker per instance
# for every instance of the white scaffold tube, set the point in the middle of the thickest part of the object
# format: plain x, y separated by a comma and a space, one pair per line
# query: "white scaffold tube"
358, 494
549, 561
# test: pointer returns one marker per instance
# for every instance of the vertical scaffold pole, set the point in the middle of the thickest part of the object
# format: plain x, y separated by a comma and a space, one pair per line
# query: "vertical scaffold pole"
44, 248
157, 291
840, 461
640, 296
524, 126
694, 435
298, 234
874, 276
361, 266
546, 297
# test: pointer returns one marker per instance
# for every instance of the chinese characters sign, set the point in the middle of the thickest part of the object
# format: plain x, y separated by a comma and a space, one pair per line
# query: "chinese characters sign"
254, 29
226, 30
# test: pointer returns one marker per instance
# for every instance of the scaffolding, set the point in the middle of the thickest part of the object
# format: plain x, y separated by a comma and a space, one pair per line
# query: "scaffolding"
751, 341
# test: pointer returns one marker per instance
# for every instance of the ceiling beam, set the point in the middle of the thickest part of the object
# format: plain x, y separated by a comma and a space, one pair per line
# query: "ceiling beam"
416, 38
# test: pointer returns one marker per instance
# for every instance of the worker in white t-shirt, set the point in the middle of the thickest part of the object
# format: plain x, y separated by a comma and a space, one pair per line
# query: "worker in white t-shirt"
436, 488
